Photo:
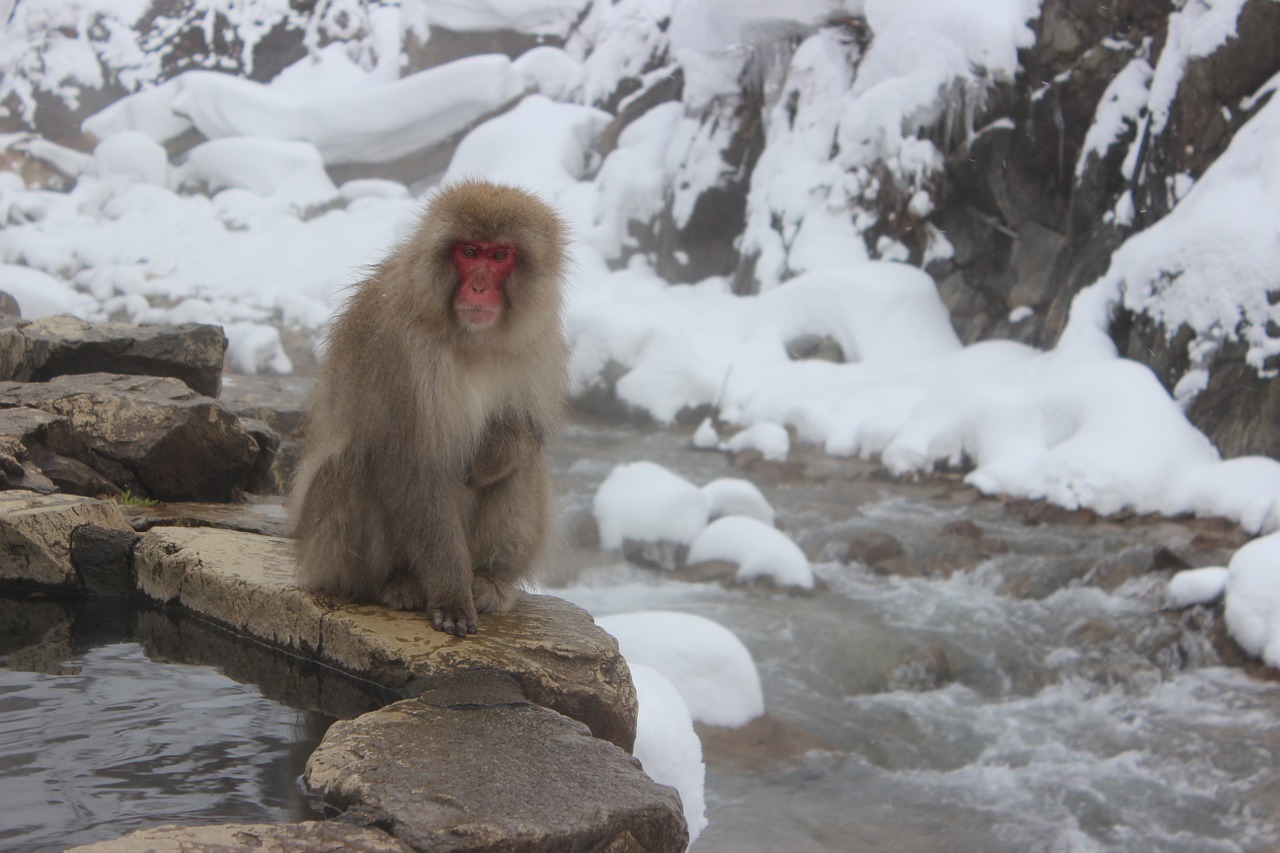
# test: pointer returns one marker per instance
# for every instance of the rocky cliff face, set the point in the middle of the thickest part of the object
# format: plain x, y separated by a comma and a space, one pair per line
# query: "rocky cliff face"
803, 138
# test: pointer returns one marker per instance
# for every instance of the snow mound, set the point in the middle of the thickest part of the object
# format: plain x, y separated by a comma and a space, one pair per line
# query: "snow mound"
646, 502
1196, 586
1253, 599
135, 156
760, 550
770, 440
292, 172
41, 295
706, 662
733, 496
666, 744
705, 436
376, 122
875, 311
255, 348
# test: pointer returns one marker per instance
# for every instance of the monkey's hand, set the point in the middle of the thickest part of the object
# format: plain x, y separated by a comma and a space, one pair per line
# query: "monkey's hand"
458, 619
508, 440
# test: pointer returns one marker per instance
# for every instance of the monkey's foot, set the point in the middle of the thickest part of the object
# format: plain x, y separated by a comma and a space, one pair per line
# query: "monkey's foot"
453, 620
491, 595
403, 593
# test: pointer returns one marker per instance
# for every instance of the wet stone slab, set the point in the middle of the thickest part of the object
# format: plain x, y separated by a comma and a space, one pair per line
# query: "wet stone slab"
476, 768
36, 535
550, 647
265, 838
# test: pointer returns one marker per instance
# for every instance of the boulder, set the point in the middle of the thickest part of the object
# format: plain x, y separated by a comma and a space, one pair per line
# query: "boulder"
36, 535
151, 435
549, 647
476, 768
42, 452
38, 350
266, 838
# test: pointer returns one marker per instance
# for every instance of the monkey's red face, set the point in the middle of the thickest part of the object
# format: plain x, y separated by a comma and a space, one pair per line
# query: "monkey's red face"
482, 275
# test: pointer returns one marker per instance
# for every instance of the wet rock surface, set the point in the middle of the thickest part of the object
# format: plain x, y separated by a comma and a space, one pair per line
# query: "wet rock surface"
232, 838
245, 581
36, 534
474, 767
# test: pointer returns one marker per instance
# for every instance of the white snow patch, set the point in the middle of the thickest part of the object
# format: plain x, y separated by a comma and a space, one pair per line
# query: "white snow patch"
770, 440
705, 661
1253, 599
39, 294
666, 744
733, 496
646, 502
759, 550
1196, 586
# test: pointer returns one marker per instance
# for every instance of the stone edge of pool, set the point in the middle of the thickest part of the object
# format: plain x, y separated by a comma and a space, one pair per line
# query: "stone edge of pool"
518, 737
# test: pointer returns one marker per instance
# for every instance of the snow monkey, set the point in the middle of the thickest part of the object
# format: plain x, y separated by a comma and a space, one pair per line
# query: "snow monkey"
423, 484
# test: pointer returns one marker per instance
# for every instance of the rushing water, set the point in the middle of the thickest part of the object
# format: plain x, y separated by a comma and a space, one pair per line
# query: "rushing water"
1037, 699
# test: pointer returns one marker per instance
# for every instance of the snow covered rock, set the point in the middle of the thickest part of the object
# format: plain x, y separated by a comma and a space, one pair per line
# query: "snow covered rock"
642, 502
667, 745
706, 662
760, 551
1253, 599
733, 496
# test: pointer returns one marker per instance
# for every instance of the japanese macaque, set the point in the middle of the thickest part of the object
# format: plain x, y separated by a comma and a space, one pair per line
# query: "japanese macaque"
423, 484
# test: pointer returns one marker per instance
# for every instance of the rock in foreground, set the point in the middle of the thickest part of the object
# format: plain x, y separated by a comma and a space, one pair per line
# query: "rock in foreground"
475, 768
265, 838
549, 647
36, 535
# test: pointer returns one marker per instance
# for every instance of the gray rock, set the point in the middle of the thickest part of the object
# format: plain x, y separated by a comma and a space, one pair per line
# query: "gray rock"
40, 451
102, 557
36, 534
153, 436
551, 648
38, 350
480, 769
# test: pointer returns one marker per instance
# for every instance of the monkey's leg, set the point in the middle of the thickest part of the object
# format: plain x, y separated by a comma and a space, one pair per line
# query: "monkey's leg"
336, 549
433, 539
509, 532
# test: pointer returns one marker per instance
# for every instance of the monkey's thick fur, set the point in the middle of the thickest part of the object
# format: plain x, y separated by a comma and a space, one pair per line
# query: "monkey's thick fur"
423, 483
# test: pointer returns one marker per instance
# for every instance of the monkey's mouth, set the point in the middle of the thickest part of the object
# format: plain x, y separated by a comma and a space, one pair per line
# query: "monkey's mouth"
474, 315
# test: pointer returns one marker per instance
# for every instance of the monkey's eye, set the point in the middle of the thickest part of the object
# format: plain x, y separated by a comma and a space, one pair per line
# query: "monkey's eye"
469, 252
500, 255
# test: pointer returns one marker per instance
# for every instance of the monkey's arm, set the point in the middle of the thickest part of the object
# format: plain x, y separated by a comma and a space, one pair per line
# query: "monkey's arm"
508, 440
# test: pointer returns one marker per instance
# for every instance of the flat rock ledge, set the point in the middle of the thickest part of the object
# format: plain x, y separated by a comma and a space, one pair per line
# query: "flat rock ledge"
515, 739
550, 647
477, 768
317, 837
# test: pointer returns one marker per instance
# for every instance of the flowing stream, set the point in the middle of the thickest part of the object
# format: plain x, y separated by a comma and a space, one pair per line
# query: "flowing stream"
1011, 683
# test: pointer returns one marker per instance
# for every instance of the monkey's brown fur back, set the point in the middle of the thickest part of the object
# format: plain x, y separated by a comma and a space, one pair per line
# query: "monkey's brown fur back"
423, 484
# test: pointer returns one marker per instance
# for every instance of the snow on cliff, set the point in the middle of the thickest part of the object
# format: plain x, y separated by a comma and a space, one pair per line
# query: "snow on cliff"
269, 239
